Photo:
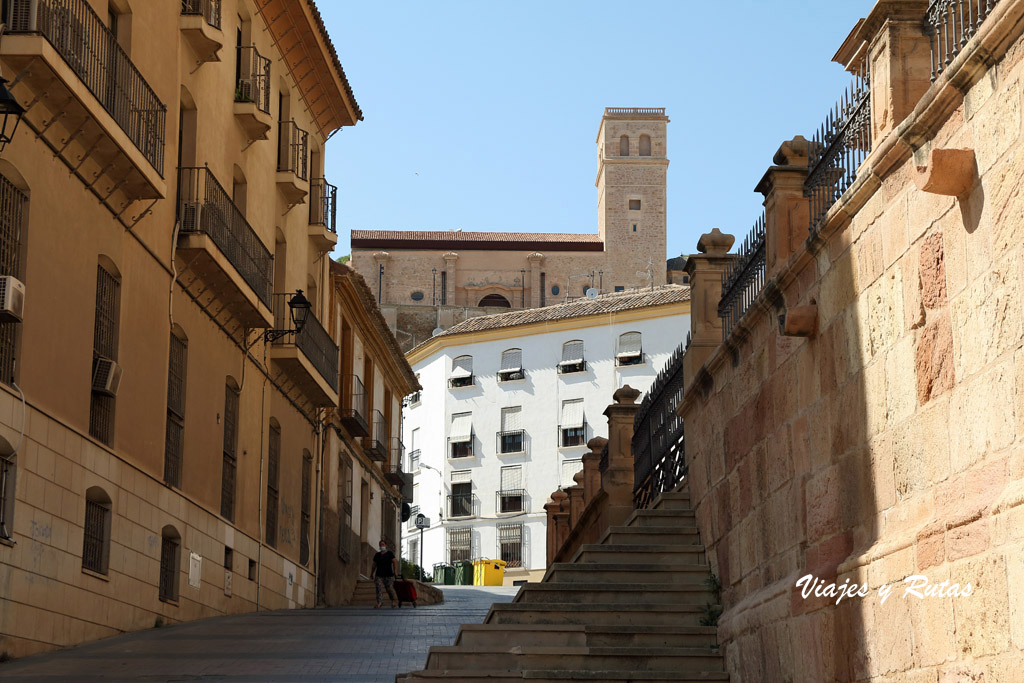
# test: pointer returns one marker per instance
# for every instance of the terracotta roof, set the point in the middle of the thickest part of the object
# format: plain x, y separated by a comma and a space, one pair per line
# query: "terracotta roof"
440, 239
334, 55
604, 304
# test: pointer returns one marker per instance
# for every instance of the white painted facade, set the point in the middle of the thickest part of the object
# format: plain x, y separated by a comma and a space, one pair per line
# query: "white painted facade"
542, 394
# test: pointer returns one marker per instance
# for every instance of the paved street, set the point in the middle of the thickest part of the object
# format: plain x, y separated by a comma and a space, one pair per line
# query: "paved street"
345, 644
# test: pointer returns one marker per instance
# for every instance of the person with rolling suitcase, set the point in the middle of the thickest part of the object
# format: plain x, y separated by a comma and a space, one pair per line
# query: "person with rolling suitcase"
406, 591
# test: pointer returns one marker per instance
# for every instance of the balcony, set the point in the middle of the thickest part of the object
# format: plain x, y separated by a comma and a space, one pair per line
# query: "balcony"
460, 505
310, 357
218, 251
200, 24
87, 101
510, 501
252, 94
414, 461
396, 457
293, 162
571, 367
323, 214
513, 441
354, 411
377, 444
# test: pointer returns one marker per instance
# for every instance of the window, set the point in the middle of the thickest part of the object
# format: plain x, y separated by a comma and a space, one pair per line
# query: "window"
307, 504
13, 206
510, 544
569, 470
634, 204
645, 145
460, 437
414, 552
175, 437
543, 289
416, 296
413, 511
511, 365
511, 493
460, 502
460, 544
96, 535
630, 350
462, 372
104, 352
170, 560
273, 465
511, 436
554, 290
345, 482
634, 227
624, 146
572, 358
229, 558
8, 475
444, 287
620, 288
252, 570
573, 430
230, 459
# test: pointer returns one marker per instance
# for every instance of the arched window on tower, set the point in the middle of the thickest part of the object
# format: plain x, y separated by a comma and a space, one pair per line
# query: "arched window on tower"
624, 146
645, 145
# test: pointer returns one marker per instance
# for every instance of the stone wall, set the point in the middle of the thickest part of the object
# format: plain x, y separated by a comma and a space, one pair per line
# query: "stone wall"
890, 442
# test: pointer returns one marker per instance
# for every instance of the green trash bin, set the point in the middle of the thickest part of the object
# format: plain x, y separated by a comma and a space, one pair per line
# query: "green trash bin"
466, 569
444, 574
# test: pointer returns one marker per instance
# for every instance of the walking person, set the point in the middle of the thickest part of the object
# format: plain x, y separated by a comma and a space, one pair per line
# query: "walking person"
383, 573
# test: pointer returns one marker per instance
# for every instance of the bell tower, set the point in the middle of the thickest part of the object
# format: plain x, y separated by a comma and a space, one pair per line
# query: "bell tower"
632, 164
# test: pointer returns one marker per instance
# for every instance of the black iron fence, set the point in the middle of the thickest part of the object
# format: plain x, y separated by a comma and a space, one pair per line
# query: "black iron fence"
839, 147
78, 34
313, 340
950, 24
253, 78
743, 278
323, 205
379, 439
293, 150
354, 410
659, 462
205, 207
511, 441
510, 500
209, 10
460, 505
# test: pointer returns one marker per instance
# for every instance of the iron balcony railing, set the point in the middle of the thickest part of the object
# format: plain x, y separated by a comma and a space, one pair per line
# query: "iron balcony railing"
743, 279
209, 10
78, 34
323, 204
950, 24
510, 500
253, 78
293, 150
313, 340
414, 460
460, 505
354, 410
572, 436
379, 439
204, 207
511, 441
839, 147
658, 459
397, 454
411, 523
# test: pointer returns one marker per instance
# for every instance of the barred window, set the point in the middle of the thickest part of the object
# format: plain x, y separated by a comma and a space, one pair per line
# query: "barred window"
170, 560
307, 495
510, 544
230, 466
101, 407
12, 222
175, 437
96, 536
273, 464
460, 544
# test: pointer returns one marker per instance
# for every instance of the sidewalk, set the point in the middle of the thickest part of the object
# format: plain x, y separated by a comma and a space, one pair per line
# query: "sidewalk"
344, 644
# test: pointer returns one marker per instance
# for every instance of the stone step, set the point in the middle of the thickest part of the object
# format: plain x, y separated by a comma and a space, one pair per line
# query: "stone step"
615, 593
651, 535
638, 554
578, 635
626, 659
671, 518
594, 614
558, 676
626, 573
672, 501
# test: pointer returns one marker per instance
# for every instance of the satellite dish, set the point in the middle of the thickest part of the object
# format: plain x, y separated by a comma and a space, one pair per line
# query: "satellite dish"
592, 293
437, 331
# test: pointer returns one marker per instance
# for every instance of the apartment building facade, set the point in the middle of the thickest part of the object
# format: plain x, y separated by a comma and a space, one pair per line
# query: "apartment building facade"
165, 387
508, 404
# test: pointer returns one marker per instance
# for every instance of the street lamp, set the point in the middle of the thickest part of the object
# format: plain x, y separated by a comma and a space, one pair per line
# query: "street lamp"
10, 114
298, 308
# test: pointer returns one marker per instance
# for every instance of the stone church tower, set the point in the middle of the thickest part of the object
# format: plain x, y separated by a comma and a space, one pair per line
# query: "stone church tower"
631, 181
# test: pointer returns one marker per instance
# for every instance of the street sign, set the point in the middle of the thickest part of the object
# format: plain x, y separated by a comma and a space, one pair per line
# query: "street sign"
422, 522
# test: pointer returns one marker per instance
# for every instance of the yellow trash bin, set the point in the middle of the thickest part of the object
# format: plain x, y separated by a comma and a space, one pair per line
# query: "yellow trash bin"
489, 572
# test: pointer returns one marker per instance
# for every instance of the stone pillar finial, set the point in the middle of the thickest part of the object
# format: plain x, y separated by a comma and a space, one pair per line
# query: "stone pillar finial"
705, 270
626, 395
786, 210
715, 243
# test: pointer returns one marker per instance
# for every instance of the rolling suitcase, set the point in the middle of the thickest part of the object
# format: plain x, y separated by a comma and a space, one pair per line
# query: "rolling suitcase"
406, 592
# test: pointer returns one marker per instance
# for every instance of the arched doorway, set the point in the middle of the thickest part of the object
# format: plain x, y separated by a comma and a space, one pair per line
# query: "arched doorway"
495, 300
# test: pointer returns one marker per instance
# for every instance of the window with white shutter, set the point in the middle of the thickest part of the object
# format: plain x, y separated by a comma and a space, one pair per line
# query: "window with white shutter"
462, 372
460, 436
511, 365
573, 429
511, 495
511, 438
572, 357
569, 470
630, 351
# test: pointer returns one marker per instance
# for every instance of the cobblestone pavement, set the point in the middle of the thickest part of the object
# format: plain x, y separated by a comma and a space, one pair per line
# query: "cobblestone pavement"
344, 644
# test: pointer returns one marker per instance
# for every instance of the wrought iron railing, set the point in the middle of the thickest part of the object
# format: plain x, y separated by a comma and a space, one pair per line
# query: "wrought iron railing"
293, 150
395, 465
313, 340
379, 440
78, 34
743, 278
253, 78
460, 505
510, 441
839, 147
207, 9
205, 207
659, 462
354, 401
510, 500
950, 24
323, 204
414, 460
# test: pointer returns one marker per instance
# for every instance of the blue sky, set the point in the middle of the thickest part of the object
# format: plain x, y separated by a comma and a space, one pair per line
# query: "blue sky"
482, 115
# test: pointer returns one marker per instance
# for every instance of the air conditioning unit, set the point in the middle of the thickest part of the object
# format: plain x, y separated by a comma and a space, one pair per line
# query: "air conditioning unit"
191, 213
106, 376
12, 299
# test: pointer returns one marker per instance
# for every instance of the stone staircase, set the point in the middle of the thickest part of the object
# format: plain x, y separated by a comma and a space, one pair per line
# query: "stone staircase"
626, 609
365, 595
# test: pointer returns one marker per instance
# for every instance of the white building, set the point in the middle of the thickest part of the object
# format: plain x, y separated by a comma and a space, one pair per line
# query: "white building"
509, 402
